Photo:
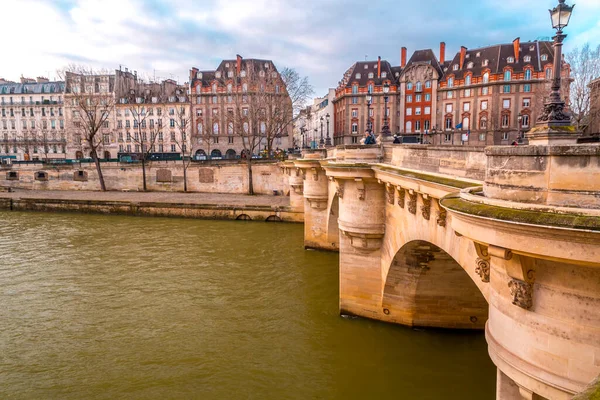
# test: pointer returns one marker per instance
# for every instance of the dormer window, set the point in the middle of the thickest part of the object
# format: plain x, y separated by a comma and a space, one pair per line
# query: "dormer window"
243, 74
468, 56
366, 67
455, 67
358, 76
485, 63
370, 75
531, 48
527, 59
510, 60
261, 74
470, 65
226, 65
468, 80
478, 54
544, 57
267, 65
384, 74
397, 74
218, 74
230, 74
450, 82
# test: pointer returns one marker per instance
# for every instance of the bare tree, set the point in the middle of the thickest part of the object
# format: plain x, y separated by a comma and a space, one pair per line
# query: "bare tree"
585, 67
89, 97
146, 128
182, 124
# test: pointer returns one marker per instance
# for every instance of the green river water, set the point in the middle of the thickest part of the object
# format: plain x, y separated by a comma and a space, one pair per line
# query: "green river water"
112, 307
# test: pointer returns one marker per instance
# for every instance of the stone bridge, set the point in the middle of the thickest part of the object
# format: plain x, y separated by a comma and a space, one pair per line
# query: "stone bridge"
505, 239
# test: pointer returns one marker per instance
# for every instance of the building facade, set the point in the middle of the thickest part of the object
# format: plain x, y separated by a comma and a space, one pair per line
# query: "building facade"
315, 122
215, 104
352, 114
492, 95
32, 120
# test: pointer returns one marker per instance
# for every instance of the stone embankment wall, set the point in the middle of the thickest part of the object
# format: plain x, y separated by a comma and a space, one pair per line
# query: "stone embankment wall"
223, 177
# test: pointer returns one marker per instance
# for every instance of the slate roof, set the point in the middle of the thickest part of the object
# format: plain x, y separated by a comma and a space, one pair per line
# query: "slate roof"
251, 64
32, 88
366, 67
497, 56
426, 56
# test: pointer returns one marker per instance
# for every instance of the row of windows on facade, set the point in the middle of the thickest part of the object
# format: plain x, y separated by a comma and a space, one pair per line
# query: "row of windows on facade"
150, 111
149, 122
43, 149
229, 88
160, 148
26, 138
154, 100
218, 74
484, 91
230, 130
483, 105
509, 60
505, 122
24, 113
144, 136
508, 76
371, 112
30, 102
33, 124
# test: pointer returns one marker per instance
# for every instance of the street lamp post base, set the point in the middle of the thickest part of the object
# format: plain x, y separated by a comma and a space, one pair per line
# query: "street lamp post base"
548, 135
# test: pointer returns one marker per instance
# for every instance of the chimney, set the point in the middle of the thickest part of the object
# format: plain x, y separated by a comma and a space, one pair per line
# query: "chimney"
193, 73
442, 52
378, 67
41, 79
463, 53
516, 47
23, 79
403, 58
238, 65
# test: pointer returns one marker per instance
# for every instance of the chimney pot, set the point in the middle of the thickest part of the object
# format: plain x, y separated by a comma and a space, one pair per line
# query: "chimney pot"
403, 58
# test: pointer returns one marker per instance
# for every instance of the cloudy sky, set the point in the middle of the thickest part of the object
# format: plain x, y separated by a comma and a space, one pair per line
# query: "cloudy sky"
321, 39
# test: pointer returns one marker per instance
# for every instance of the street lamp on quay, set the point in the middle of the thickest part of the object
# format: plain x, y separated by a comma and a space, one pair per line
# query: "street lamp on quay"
386, 127
314, 139
321, 142
369, 99
554, 113
328, 139
302, 132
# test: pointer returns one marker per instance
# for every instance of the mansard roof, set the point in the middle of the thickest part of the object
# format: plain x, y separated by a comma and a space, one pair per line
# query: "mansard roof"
253, 65
425, 56
497, 57
364, 68
32, 88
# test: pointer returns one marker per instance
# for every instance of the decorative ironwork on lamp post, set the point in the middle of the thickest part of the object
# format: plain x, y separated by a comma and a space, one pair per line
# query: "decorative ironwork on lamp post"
328, 139
554, 113
369, 102
321, 141
386, 127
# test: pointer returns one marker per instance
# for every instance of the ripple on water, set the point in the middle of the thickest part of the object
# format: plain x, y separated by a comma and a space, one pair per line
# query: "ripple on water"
119, 307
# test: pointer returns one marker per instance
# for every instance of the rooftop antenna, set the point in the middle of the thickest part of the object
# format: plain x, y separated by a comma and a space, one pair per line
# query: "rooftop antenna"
366, 57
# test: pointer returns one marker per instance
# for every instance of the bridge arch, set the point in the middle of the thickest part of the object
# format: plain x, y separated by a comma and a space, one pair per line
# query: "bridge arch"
426, 286
333, 230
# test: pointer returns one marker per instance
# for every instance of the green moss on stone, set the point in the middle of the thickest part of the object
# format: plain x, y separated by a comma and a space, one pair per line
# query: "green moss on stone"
574, 221
592, 393
455, 183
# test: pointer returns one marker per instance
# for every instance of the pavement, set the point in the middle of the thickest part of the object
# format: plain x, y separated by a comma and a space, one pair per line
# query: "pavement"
154, 197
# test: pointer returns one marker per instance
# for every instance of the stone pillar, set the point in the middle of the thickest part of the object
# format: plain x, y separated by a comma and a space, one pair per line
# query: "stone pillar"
296, 189
362, 226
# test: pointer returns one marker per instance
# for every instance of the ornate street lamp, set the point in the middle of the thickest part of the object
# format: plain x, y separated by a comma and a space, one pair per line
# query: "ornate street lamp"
328, 139
313, 144
302, 132
386, 128
321, 142
369, 102
554, 113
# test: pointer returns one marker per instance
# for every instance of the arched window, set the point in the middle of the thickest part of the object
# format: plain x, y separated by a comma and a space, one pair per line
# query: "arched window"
544, 57
486, 77
216, 128
230, 128
229, 87
263, 128
468, 80
370, 88
214, 88
527, 74
200, 131
354, 89
548, 73
465, 124
507, 75
419, 86
246, 128
370, 75
527, 59
198, 89
470, 65
409, 86
510, 60
427, 84
450, 82
408, 127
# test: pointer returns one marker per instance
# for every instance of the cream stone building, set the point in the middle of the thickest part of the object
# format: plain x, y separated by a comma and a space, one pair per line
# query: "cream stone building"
32, 120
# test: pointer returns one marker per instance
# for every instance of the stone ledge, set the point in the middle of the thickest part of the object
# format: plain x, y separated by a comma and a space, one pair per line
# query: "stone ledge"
446, 181
564, 150
453, 202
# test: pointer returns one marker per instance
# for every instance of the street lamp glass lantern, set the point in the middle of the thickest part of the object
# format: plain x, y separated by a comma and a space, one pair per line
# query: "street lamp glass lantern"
560, 15
386, 88
327, 116
369, 98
